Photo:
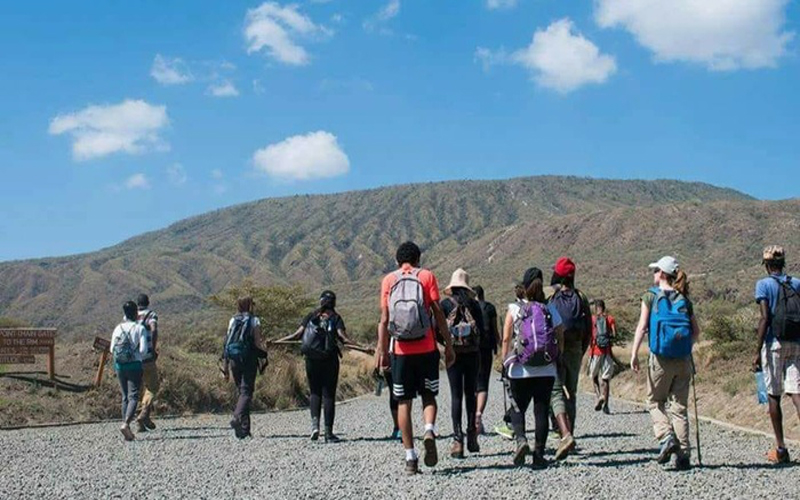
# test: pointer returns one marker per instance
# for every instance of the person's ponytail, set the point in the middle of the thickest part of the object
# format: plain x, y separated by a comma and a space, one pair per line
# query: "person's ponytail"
681, 283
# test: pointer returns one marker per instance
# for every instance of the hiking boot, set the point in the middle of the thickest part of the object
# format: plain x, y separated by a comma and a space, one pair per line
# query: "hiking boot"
431, 455
472, 442
151, 426
566, 445
504, 430
521, 452
683, 463
606, 409
396, 435
314, 434
126, 431
668, 447
457, 449
539, 462
412, 467
330, 437
599, 405
140, 427
778, 456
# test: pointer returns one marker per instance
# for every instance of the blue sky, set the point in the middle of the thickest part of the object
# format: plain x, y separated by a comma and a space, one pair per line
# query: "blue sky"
119, 118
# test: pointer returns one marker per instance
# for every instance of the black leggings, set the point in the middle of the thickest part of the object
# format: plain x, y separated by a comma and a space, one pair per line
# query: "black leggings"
323, 377
522, 391
463, 376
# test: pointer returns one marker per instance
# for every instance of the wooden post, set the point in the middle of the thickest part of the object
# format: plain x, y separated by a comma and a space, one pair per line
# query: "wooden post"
99, 378
51, 362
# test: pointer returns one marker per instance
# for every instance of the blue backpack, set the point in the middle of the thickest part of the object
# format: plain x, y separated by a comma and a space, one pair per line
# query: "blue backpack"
670, 325
239, 340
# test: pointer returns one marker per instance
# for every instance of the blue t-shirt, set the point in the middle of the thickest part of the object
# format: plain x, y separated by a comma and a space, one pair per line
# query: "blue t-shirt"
768, 289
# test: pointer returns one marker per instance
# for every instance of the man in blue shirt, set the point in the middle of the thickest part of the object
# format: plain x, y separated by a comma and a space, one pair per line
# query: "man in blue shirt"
779, 359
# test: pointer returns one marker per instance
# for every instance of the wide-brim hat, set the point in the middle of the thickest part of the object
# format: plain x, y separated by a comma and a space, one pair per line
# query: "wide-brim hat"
459, 279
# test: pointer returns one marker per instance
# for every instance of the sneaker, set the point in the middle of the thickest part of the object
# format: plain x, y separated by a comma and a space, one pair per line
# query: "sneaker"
566, 445
314, 434
668, 447
396, 435
606, 409
521, 452
504, 430
599, 405
140, 427
778, 456
539, 462
683, 463
457, 449
412, 467
149, 424
330, 437
431, 455
127, 433
472, 442
237, 428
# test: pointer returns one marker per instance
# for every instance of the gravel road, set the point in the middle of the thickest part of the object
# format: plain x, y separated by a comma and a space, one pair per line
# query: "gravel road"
198, 457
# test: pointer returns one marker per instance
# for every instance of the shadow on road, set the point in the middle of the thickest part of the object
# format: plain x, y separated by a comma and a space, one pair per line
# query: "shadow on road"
191, 437
637, 451
184, 429
607, 435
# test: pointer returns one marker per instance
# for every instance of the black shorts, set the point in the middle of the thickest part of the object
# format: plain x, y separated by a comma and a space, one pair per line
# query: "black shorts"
485, 367
415, 375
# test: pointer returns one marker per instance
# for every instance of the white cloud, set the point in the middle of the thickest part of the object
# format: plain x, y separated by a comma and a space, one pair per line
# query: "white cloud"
258, 87
131, 126
385, 14
302, 157
501, 4
722, 35
168, 71
177, 174
137, 181
225, 88
277, 28
558, 58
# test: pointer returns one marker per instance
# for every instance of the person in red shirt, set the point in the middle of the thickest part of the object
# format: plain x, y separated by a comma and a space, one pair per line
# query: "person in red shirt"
414, 362
601, 361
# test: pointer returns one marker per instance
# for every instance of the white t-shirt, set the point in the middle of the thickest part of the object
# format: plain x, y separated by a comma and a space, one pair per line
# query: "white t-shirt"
137, 335
519, 370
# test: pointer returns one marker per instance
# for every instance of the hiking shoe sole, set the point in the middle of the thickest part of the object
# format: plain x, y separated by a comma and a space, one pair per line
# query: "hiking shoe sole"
431, 455
315, 435
502, 432
150, 424
412, 467
520, 454
127, 433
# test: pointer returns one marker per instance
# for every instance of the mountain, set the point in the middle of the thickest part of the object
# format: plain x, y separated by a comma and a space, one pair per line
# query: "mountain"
346, 241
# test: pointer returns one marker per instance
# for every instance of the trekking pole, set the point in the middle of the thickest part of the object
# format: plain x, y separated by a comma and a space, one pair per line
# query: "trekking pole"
696, 417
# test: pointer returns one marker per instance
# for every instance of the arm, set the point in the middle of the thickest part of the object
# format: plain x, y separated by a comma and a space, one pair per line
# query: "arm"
641, 328
496, 331
444, 332
587, 323
143, 348
342, 332
763, 323
294, 336
258, 337
508, 331
382, 348
154, 330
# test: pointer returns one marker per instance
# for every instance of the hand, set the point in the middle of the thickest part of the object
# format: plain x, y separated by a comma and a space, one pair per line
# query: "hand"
381, 360
757, 363
635, 363
449, 356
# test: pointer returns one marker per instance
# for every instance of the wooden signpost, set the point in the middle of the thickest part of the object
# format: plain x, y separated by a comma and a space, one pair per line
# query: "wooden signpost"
20, 345
102, 345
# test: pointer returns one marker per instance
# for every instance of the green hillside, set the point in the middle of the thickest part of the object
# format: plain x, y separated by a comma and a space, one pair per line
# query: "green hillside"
346, 241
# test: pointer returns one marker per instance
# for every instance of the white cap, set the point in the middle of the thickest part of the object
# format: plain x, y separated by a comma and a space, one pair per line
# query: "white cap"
667, 264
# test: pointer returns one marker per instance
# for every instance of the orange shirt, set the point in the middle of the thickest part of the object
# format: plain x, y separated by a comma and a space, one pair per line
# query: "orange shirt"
611, 325
430, 294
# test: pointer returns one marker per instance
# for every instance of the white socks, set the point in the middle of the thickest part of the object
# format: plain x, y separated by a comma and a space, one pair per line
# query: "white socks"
432, 428
411, 454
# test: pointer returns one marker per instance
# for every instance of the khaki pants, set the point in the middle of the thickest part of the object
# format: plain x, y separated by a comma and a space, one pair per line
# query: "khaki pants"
669, 380
568, 377
150, 384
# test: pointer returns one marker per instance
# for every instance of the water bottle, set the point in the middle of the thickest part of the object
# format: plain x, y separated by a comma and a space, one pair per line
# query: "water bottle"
761, 388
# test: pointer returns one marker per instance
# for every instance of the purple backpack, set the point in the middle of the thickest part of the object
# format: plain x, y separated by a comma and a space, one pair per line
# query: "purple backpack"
536, 343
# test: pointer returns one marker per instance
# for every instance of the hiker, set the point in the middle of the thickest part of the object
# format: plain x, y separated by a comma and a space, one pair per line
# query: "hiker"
778, 355
128, 347
601, 361
245, 356
150, 383
667, 315
504, 429
575, 312
532, 333
488, 350
321, 331
465, 322
409, 305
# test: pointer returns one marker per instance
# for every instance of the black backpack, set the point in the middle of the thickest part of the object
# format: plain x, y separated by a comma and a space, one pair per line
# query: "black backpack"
239, 339
602, 338
786, 318
569, 305
319, 338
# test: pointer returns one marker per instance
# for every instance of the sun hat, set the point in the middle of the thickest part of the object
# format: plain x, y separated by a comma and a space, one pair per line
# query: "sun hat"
774, 253
666, 264
460, 279
565, 267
